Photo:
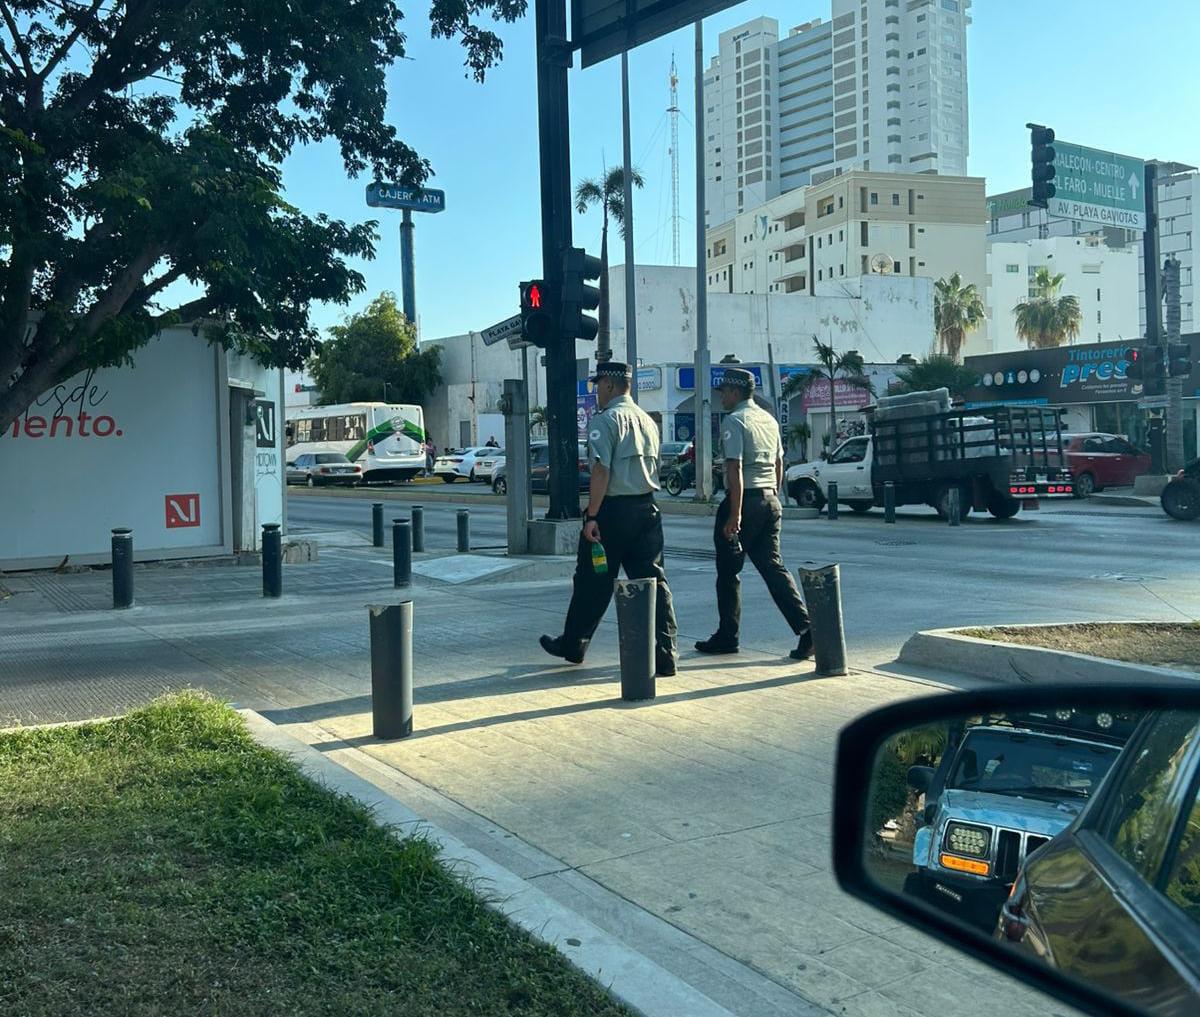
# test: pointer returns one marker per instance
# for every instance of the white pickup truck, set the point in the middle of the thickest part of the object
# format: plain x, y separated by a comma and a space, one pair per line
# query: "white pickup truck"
998, 462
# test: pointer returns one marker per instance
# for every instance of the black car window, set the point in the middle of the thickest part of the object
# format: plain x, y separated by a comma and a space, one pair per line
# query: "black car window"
331, 457
852, 452
1094, 445
1140, 817
1183, 885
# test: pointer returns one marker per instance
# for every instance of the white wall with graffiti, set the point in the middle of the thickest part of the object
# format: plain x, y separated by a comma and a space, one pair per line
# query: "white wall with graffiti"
152, 447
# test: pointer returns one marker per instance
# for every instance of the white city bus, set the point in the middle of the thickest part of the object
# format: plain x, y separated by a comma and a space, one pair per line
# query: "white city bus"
385, 439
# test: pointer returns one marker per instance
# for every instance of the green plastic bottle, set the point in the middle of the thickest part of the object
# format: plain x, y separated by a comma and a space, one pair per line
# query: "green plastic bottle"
599, 558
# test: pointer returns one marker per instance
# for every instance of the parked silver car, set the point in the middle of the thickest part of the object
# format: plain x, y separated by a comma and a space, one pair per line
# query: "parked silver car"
319, 468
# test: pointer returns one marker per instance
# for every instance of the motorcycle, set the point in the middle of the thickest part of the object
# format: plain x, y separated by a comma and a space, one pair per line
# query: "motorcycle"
679, 476
1181, 497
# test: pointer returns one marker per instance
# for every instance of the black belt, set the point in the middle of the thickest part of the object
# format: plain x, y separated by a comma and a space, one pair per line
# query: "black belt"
626, 497
758, 492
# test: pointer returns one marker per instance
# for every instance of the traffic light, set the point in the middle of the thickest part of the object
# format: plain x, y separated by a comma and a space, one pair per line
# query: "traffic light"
579, 268
1135, 364
537, 312
1041, 154
1179, 360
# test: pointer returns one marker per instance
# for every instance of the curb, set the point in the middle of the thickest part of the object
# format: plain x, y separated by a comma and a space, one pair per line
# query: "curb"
1127, 500
949, 651
668, 506
629, 976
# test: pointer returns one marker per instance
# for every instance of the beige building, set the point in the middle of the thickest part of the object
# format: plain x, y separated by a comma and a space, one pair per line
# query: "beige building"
816, 239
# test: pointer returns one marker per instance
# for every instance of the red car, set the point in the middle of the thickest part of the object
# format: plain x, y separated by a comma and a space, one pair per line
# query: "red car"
1098, 460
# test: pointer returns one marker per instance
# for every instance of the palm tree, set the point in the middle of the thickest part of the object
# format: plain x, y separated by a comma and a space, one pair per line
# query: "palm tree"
936, 371
1046, 319
537, 418
609, 194
830, 367
957, 310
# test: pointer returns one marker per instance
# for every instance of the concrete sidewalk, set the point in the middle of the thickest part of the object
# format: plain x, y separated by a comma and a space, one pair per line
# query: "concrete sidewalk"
693, 828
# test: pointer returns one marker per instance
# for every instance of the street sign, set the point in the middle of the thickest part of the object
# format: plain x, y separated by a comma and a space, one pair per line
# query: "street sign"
515, 342
501, 330
1098, 187
1159, 402
415, 199
603, 28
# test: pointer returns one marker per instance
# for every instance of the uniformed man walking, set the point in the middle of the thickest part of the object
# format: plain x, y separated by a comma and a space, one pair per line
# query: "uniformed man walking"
622, 525
748, 520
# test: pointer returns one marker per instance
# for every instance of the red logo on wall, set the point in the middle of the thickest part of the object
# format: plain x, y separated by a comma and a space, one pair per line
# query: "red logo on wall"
182, 510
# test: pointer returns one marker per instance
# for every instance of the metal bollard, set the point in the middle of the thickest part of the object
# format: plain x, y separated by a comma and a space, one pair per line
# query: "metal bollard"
833, 500
953, 506
823, 595
122, 567
377, 524
401, 553
272, 560
889, 502
418, 527
635, 628
391, 670
464, 530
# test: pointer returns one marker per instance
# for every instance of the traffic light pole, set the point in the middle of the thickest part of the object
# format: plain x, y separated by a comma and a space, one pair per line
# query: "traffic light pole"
554, 132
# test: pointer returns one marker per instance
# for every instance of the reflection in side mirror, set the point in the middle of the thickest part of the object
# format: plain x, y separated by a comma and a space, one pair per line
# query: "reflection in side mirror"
1043, 830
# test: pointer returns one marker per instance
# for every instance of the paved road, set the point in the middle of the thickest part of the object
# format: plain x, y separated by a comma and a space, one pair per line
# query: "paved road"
1069, 562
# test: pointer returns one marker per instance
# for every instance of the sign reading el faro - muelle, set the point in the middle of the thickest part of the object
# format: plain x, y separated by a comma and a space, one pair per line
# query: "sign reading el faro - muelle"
1101, 187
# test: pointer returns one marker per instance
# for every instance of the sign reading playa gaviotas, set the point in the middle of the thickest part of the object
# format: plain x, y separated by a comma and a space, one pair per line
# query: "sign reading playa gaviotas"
1098, 187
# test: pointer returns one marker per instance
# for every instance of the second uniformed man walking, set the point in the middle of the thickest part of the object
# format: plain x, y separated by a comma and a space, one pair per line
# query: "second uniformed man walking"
748, 520
621, 518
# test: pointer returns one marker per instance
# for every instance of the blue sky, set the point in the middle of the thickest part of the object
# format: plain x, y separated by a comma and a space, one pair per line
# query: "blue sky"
1078, 65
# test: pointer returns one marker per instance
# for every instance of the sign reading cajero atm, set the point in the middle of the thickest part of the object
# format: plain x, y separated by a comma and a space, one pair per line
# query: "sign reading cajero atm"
1089, 373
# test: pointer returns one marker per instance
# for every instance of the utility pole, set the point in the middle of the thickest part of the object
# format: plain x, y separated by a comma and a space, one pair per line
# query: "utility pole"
408, 270
1174, 437
1153, 309
554, 126
703, 390
631, 354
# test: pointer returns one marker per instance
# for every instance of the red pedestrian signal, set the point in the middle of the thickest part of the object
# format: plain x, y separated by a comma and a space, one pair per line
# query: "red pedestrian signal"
537, 312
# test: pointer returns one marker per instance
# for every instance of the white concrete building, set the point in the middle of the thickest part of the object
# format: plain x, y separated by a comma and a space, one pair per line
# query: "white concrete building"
1102, 278
883, 317
818, 239
880, 74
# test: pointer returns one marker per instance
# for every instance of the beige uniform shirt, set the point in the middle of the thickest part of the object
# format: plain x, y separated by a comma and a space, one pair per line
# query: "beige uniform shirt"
751, 435
624, 440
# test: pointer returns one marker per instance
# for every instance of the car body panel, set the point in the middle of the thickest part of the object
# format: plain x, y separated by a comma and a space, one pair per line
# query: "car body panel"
1110, 458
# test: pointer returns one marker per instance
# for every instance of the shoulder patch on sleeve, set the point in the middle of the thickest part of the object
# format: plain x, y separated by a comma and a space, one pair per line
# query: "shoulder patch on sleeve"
594, 434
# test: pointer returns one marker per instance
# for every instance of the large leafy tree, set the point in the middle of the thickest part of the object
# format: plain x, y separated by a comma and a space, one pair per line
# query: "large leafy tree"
936, 371
957, 311
141, 144
1048, 319
609, 194
373, 356
830, 367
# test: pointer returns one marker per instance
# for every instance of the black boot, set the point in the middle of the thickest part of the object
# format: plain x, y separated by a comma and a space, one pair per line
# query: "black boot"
571, 651
717, 643
804, 648
664, 667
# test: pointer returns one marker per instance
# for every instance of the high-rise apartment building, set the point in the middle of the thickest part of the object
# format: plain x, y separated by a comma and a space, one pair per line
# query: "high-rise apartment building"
882, 86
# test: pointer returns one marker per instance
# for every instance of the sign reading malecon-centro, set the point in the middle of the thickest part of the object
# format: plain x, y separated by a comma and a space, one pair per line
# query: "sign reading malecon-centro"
415, 199
1098, 187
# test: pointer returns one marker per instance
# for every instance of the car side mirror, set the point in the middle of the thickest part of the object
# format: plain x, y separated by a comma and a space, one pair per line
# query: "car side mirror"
1027, 770
920, 778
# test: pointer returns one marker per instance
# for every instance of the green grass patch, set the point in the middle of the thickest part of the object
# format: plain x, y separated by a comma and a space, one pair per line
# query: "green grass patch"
1165, 644
164, 863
